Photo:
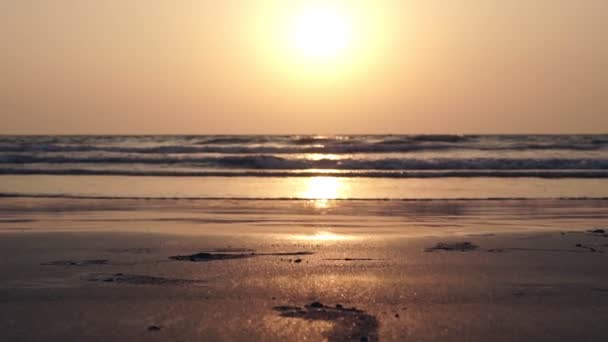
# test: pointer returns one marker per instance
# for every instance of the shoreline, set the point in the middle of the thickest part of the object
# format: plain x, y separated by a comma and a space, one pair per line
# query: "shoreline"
328, 186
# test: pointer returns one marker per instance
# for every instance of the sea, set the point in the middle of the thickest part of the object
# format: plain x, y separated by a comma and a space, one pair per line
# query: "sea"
475, 182
387, 163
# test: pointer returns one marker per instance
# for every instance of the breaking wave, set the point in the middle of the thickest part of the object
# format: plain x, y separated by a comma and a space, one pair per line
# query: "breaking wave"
551, 156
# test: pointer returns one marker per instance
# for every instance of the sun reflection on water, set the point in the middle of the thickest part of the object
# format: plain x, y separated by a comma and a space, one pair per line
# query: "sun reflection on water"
321, 156
321, 190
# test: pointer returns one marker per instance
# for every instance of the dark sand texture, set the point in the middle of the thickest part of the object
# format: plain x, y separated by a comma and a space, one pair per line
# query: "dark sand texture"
381, 280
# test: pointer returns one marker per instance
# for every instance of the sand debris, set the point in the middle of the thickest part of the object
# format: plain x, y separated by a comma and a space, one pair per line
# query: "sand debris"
598, 232
205, 257
453, 246
350, 324
590, 249
208, 256
134, 279
76, 263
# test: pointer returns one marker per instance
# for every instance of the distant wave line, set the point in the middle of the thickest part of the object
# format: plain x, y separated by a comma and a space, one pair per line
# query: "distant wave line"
363, 199
271, 162
333, 147
347, 174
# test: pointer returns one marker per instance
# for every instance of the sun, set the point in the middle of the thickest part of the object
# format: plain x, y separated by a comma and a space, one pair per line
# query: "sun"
321, 32
312, 43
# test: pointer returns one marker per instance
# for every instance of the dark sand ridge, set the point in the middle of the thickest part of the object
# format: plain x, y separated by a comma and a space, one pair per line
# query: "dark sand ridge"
206, 256
133, 279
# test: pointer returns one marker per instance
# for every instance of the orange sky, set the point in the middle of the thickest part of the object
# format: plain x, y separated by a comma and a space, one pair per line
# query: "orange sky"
210, 67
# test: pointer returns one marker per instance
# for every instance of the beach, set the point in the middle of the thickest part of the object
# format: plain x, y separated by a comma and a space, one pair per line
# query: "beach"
187, 270
303, 238
272, 170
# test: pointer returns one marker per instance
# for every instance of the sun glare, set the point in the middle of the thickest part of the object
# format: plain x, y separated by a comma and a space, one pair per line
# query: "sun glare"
320, 42
321, 190
321, 32
323, 236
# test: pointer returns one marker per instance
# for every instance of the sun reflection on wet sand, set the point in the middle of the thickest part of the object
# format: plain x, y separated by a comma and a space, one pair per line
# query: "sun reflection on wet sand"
323, 236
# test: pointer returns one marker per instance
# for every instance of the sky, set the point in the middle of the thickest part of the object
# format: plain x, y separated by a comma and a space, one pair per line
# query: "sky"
266, 67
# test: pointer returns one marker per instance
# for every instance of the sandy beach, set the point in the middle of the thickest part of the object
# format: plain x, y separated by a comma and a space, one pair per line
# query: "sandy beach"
87, 270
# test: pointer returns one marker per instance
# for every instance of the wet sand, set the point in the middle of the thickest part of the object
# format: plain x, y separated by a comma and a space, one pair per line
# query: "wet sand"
125, 283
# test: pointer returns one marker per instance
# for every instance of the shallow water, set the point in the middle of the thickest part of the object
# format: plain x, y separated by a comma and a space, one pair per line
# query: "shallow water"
312, 221
322, 188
